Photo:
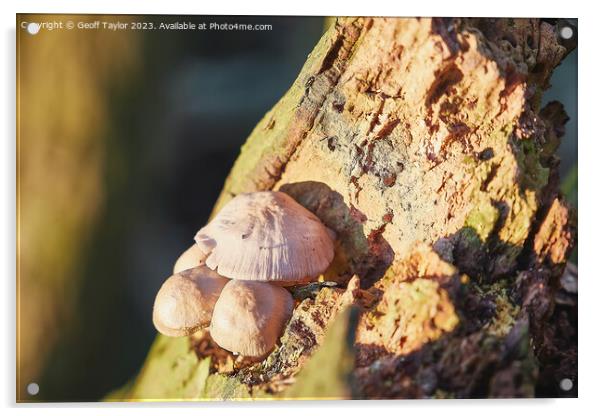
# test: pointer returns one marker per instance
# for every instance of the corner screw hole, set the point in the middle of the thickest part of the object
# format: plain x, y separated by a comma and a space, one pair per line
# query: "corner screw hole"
33, 389
566, 32
566, 384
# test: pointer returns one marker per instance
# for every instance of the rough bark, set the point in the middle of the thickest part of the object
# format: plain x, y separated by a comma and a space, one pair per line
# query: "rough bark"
421, 142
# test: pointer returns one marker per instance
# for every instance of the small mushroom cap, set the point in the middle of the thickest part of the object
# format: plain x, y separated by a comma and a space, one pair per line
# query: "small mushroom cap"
185, 301
249, 317
266, 236
192, 257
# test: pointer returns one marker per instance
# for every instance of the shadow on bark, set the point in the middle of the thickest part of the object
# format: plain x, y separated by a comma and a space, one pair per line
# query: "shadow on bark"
368, 257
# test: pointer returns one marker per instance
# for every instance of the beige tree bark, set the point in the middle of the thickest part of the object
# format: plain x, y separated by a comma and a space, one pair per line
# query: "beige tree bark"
422, 143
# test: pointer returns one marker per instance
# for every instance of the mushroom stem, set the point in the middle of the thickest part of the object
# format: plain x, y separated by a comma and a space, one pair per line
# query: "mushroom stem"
192, 257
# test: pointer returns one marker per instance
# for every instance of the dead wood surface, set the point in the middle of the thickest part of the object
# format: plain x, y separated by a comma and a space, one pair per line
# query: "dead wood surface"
422, 143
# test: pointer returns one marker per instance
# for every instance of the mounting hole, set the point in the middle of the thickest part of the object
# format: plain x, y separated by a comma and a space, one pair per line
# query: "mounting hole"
566, 32
33, 28
33, 389
566, 384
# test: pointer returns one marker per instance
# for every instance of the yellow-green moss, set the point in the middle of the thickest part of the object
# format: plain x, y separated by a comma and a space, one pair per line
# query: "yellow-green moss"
221, 387
171, 371
482, 220
327, 375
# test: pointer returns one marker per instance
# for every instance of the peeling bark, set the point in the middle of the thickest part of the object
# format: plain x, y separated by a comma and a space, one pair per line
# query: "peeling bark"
422, 144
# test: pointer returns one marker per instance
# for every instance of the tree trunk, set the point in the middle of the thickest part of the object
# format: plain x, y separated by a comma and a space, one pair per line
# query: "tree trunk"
421, 142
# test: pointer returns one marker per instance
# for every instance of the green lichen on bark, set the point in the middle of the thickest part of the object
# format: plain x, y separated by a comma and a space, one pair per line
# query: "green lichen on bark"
171, 371
221, 387
482, 220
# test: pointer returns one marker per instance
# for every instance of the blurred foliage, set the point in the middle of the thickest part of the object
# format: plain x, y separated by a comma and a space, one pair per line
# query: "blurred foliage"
569, 188
62, 113
570, 185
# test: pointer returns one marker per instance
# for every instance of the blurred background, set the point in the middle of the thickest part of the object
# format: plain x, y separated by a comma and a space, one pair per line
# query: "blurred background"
126, 138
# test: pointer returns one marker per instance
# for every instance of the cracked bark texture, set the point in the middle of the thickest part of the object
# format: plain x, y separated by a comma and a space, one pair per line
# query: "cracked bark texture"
422, 143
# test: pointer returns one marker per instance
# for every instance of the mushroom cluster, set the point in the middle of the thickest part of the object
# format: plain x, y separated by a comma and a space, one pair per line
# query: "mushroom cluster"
233, 279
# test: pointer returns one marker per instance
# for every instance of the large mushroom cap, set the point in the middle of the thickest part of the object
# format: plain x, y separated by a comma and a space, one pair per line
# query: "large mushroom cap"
266, 236
249, 317
193, 257
185, 302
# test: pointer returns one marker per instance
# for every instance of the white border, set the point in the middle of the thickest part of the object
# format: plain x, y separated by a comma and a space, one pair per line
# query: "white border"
590, 152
